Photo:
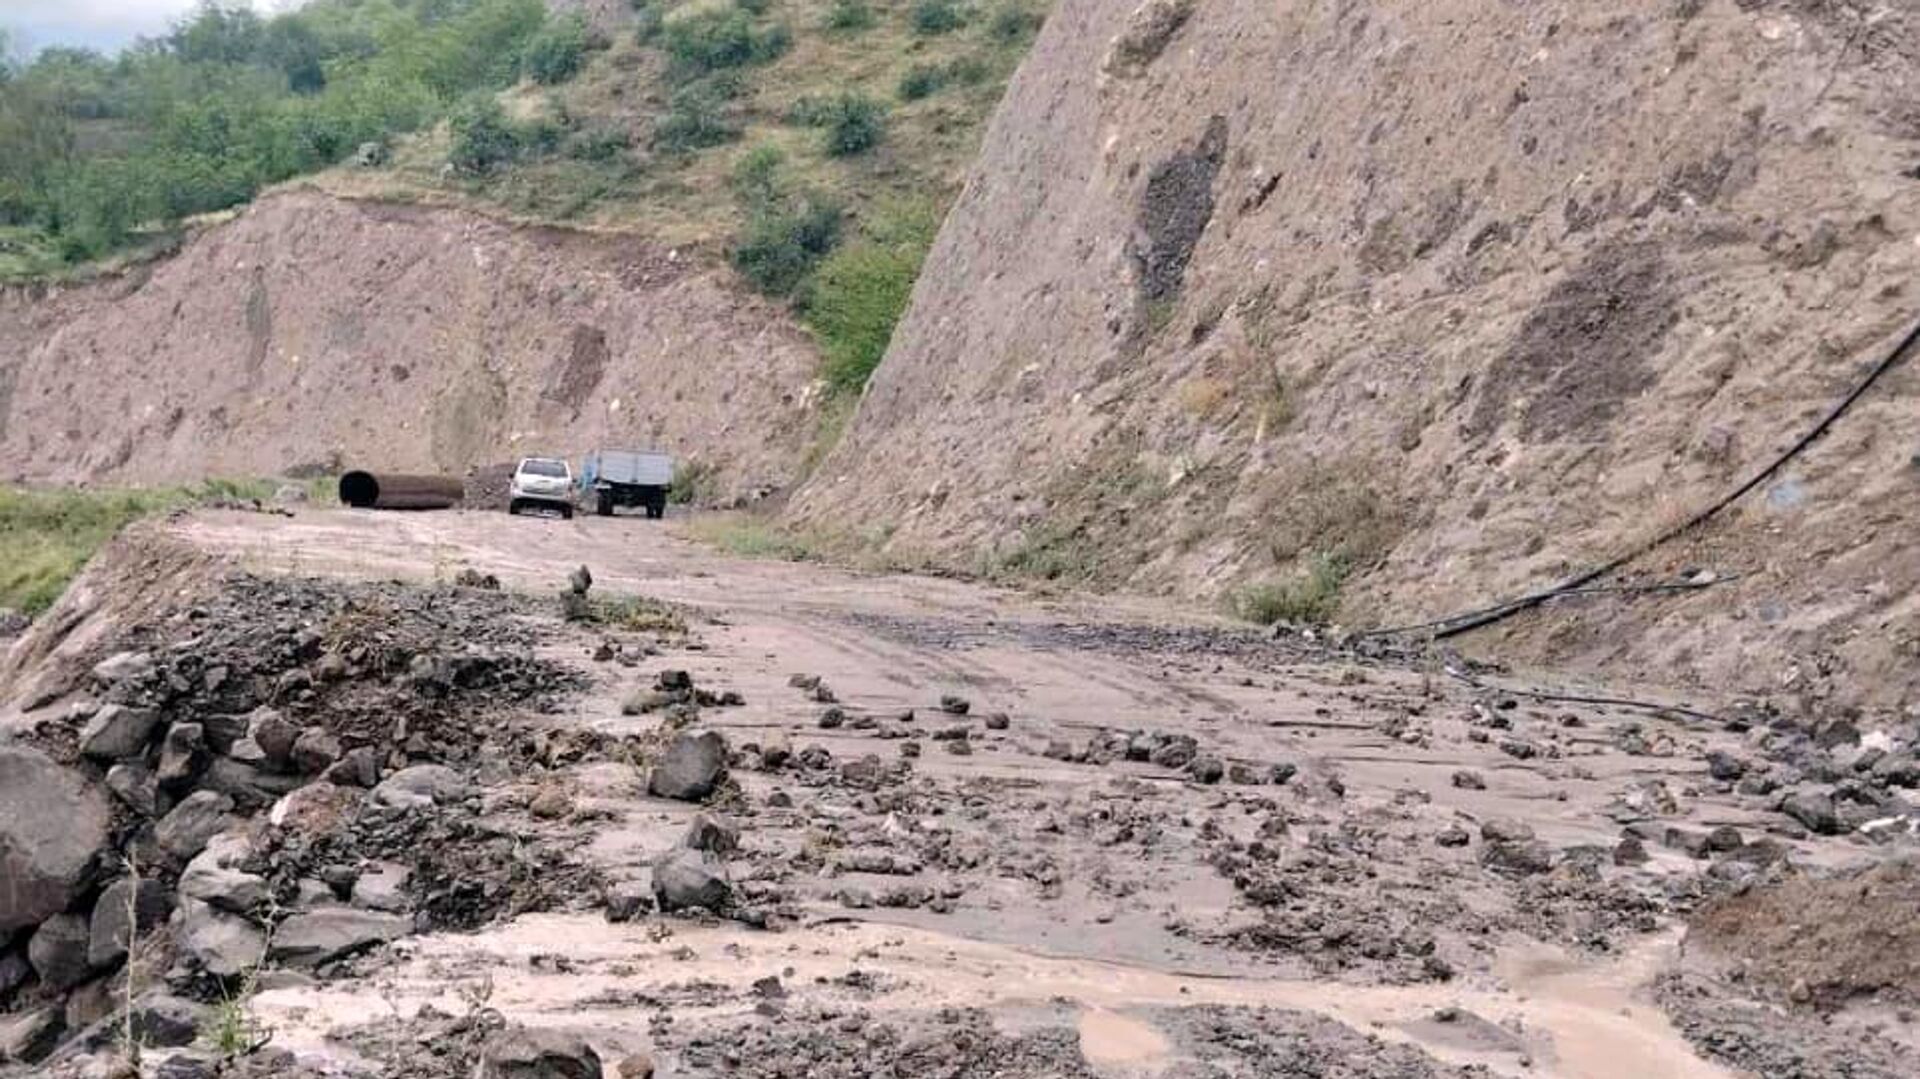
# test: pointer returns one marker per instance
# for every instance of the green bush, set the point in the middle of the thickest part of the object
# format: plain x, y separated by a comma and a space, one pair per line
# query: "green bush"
697, 117
784, 241
1311, 598
1012, 22
647, 21
854, 124
849, 15
556, 53
754, 7
483, 139
921, 80
605, 144
969, 70
714, 38
757, 175
859, 292
936, 17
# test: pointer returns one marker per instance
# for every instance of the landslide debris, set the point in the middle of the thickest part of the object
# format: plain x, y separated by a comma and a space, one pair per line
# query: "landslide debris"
273, 771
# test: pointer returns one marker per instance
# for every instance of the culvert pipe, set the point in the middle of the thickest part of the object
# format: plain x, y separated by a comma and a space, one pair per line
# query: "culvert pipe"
386, 491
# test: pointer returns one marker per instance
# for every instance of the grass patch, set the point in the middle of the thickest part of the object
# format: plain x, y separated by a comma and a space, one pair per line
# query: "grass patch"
46, 537
751, 537
1047, 553
1311, 597
694, 483
638, 614
860, 292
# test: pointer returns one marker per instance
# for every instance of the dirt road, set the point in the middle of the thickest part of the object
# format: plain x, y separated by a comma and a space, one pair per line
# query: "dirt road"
981, 832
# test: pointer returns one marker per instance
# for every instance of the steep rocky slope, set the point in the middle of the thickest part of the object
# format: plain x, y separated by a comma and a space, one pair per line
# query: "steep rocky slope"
314, 332
1461, 297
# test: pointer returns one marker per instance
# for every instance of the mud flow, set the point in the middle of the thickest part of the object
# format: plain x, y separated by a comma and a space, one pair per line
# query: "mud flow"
350, 793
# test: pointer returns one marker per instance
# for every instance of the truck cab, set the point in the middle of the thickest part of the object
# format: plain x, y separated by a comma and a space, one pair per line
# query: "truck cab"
542, 483
616, 478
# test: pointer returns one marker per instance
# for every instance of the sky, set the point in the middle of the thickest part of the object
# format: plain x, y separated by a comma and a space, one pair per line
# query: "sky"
99, 24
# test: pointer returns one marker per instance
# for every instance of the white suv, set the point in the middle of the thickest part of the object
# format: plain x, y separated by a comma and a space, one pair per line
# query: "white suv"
542, 483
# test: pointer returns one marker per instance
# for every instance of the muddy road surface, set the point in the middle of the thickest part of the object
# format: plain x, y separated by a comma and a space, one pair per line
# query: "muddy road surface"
771, 819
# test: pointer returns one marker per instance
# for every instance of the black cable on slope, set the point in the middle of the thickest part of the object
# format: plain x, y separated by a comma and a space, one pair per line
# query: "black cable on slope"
1456, 624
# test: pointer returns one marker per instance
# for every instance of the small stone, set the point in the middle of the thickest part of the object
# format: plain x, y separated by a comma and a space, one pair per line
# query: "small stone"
691, 768
1724, 767
1207, 770
224, 944
627, 900
58, 951
310, 938
1506, 831
711, 834
1469, 781
1453, 836
315, 751
537, 1053
955, 705
383, 886
832, 718
360, 767
181, 754
689, 879
1725, 838
1692, 844
551, 803
116, 732
1630, 851
1520, 858
135, 786
1279, 774
275, 735
998, 721
580, 580
199, 817
1814, 810
123, 913
959, 748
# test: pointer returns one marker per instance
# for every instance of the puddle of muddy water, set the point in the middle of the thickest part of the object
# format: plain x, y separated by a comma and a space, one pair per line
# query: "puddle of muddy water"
1576, 1020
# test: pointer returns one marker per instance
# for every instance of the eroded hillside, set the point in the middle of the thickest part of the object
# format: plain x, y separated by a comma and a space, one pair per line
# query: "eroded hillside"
1442, 301
313, 331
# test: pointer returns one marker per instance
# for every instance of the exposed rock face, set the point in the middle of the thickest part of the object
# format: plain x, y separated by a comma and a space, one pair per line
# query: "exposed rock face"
53, 824
1239, 282
426, 340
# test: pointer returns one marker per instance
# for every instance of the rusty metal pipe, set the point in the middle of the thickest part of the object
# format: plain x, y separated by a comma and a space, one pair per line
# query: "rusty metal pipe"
382, 491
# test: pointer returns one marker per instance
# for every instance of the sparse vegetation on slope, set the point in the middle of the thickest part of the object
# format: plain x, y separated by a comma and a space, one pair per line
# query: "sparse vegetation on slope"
46, 537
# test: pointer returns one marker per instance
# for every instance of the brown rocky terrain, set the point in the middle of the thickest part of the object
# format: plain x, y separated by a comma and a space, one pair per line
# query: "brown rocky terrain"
312, 332
1463, 297
352, 793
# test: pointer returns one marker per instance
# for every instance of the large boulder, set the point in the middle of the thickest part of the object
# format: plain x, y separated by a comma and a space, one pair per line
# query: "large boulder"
383, 886
122, 912
225, 944
317, 936
532, 1053
1814, 810
117, 731
690, 769
58, 951
53, 825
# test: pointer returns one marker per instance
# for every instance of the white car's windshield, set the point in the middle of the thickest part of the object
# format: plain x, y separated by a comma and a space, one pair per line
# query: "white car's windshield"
537, 467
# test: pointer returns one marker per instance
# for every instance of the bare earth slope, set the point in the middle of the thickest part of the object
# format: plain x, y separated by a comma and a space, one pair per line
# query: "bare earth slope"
1471, 295
314, 331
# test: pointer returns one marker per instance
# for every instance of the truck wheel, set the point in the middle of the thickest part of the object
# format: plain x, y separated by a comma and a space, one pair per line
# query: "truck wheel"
566, 512
604, 507
513, 509
656, 510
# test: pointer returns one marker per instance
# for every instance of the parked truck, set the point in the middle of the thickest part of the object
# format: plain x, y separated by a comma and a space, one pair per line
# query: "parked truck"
615, 478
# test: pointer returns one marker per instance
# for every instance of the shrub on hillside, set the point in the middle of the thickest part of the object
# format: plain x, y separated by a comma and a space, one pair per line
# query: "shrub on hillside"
483, 139
854, 124
921, 80
1012, 22
849, 15
859, 293
648, 17
785, 240
756, 176
697, 117
713, 38
936, 16
556, 53
754, 7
